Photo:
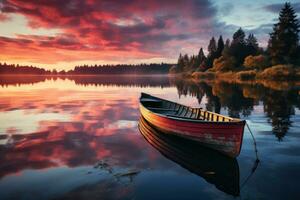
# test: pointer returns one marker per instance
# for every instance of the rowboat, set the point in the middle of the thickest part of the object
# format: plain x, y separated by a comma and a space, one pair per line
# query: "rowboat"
216, 131
216, 168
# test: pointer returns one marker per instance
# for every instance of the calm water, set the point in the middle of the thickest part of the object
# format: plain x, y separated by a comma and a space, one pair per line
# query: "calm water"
79, 138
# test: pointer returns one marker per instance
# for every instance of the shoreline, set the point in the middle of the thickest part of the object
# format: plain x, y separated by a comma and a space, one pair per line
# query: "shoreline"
81, 75
231, 78
269, 74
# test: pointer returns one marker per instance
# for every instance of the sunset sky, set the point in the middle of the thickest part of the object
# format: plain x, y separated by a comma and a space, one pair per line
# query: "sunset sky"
61, 34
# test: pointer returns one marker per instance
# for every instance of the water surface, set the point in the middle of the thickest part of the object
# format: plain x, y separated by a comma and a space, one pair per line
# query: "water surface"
78, 138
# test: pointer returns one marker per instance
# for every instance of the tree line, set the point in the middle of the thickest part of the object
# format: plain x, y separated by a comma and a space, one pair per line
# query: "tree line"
244, 51
152, 68
162, 68
21, 69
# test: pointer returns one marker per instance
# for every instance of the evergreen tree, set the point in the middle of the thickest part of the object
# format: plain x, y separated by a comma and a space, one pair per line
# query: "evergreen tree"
252, 45
201, 56
186, 63
201, 60
212, 47
226, 50
283, 45
238, 48
227, 43
192, 62
239, 37
220, 47
180, 63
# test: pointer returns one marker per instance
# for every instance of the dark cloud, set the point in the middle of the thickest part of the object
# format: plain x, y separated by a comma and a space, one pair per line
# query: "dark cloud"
262, 29
275, 8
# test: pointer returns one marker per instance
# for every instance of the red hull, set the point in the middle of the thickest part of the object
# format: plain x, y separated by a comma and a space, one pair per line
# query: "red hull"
225, 137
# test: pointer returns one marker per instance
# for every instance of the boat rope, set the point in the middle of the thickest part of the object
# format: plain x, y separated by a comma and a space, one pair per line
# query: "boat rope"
256, 160
254, 142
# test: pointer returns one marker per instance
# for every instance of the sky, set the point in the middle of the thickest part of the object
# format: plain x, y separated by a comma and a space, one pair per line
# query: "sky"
57, 34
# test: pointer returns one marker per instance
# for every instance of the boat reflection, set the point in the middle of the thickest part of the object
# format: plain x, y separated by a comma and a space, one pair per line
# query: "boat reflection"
214, 167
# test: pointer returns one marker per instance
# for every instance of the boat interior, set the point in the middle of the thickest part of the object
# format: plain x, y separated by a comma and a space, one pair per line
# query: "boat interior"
172, 109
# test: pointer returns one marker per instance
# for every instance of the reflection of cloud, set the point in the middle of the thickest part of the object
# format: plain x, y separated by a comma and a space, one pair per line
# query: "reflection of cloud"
121, 124
67, 127
26, 121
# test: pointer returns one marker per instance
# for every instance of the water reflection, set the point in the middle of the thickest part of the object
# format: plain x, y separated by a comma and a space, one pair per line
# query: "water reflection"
214, 167
239, 100
83, 131
108, 80
278, 100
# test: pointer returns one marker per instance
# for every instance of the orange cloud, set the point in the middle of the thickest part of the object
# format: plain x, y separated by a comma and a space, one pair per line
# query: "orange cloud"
105, 31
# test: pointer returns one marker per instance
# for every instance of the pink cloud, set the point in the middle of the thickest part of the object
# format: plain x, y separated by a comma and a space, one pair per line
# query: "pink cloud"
107, 30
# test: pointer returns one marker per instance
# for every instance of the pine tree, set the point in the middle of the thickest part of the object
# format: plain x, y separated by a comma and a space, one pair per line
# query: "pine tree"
226, 50
186, 62
238, 47
212, 47
239, 37
252, 45
192, 62
284, 40
227, 43
201, 56
180, 64
200, 59
220, 47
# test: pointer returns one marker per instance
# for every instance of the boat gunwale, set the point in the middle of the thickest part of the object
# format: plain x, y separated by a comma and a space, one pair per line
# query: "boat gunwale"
235, 121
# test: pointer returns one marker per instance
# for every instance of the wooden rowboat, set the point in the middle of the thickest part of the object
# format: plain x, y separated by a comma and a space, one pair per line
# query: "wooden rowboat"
216, 168
219, 132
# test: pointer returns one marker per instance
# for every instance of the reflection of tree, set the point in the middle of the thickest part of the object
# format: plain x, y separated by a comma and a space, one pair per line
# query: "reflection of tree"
17, 80
231, 96
220, 95
120, 81
213, 102
199, 91
186, 88
278, 106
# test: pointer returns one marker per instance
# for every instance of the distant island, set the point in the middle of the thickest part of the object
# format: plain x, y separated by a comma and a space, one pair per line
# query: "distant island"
242, 59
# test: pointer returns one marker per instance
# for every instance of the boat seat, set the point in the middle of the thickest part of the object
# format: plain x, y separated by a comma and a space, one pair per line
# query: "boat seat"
177, 116
150, 100
168, 113
182, 117
158, 109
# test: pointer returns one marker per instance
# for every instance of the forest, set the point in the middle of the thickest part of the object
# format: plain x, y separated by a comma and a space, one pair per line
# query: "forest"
243, 55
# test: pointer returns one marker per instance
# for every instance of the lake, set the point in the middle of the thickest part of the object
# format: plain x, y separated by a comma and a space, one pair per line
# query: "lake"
79, 137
